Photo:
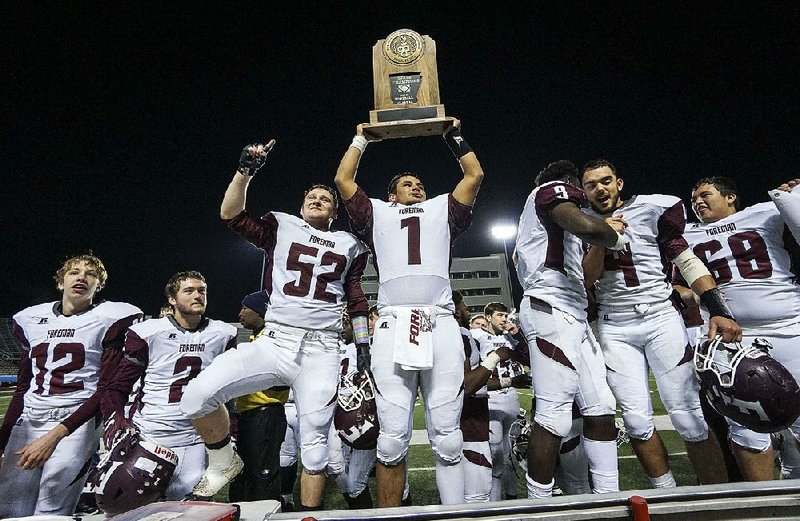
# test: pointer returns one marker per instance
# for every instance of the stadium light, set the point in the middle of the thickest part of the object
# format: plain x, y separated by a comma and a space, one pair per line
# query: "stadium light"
504, 231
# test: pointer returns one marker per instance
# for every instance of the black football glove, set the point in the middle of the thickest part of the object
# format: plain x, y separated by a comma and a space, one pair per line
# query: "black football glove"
251, 160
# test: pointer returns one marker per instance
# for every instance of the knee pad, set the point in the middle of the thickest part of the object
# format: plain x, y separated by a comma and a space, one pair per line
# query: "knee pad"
315, 459
391, 450
448, 447
690, 425
556, 422
639, 426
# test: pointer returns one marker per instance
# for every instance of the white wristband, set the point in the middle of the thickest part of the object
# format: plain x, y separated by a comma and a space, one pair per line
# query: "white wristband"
492, 359
621, 242
505, 382
359, 142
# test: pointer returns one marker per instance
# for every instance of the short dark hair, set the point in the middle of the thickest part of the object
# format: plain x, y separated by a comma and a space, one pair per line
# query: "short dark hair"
174, 282
373, 310
562, 170
392, 190
493, 307
725, 186
457, 297
594, 164
327, 188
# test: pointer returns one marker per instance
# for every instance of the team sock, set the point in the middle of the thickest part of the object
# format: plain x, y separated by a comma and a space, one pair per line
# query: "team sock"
665, 481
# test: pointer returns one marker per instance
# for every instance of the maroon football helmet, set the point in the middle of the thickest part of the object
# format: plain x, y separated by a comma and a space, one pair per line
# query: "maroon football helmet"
747, 385
133, 473
356, 415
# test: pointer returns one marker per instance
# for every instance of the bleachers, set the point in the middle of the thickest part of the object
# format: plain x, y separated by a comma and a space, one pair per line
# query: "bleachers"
9, 346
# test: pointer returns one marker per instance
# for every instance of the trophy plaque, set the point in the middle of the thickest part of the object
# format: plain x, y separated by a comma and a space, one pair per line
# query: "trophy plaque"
406, 85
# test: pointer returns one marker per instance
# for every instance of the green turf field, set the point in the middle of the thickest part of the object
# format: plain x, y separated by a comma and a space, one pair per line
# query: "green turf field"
421, 461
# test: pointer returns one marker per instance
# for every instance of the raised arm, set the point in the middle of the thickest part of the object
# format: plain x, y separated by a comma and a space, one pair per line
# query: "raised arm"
466, 191
348, 167
252, 158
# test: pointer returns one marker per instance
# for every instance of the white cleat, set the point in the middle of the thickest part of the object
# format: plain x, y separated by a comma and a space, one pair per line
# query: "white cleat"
214, 479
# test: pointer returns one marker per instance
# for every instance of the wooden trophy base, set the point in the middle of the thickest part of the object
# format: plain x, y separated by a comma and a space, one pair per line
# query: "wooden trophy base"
407, 122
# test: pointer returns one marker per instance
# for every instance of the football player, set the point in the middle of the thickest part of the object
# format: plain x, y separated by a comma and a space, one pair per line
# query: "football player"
70, 351
417, 342
163, 355
503, 402
640, 329
311, 271
749, 252
478, 322
564, 365
261, 422
480, 375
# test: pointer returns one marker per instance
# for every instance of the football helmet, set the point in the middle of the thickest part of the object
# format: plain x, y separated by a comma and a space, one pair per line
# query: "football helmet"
135, 472
747, 385
519, 434
356, 415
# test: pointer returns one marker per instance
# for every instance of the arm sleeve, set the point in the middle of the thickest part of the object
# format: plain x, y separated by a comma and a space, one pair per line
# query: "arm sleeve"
359, 208
112, 354
671, 225
357, 303
261, 232
131, 367
459, 216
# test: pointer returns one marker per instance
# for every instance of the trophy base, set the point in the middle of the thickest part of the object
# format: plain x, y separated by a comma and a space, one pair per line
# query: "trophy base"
407, 122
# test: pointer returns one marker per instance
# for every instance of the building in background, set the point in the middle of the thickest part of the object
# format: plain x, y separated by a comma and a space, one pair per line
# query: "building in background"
480, 279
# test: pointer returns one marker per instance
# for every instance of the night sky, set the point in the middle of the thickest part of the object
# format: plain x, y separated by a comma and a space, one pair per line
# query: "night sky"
122, 126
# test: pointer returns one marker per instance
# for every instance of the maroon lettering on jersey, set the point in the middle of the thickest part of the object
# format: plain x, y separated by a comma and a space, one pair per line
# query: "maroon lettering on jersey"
622, 260
413, 332
750, 257
547, 198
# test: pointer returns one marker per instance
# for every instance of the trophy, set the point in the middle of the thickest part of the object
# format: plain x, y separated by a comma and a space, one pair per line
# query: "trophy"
406, 85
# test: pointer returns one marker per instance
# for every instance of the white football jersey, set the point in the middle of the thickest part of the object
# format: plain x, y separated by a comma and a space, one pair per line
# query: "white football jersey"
65, 351
505, 369
746, 254
473, 353
306, 273
412, 247
639, 274
549, 259
175, 356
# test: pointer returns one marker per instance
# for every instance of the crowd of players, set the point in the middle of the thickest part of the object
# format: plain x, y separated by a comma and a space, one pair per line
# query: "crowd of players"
162, 385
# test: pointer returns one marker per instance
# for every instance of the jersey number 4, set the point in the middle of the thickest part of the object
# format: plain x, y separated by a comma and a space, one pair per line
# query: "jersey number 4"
302, 286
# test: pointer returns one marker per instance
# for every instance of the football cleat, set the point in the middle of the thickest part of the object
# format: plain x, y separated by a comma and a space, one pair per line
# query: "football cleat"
215, 479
